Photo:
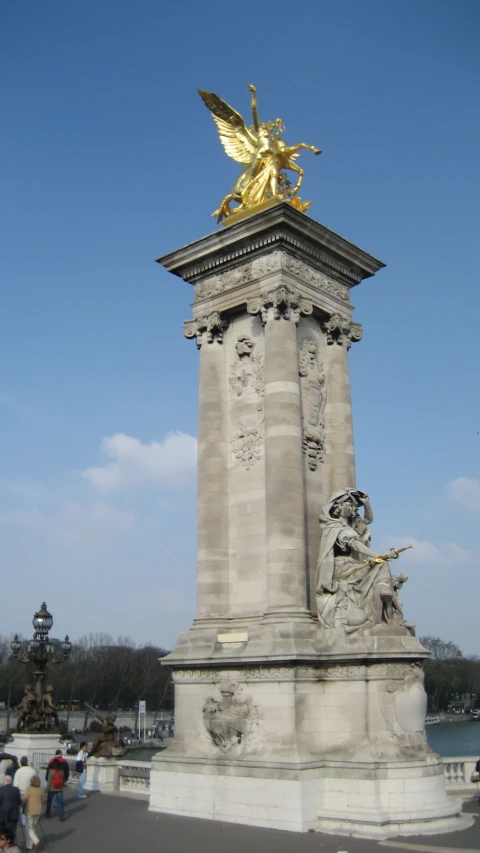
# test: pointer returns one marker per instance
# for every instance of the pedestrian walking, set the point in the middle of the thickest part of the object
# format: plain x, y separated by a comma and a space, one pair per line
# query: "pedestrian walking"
55, 783
10, 801
4, 757
32, 806
81, 767
12, 768
65, 765
23, 777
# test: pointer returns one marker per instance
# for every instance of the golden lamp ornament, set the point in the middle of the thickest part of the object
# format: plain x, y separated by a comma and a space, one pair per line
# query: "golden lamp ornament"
265, 155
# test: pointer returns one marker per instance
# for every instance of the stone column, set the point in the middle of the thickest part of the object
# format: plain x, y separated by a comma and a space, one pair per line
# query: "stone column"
340, 453
212, 469
284, 482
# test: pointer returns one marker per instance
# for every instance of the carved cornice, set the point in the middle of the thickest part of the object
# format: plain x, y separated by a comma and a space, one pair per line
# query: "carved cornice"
286, 303
213, 324
278, 239
341, 331
337, 672
278, 227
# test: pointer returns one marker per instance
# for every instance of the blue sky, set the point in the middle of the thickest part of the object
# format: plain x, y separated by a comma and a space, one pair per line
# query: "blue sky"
110, 160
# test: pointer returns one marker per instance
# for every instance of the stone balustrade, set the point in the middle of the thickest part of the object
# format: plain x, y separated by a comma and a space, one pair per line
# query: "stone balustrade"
458, 772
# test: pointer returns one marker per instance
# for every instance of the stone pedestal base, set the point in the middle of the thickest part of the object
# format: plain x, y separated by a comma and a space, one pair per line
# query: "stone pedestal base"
37, 747
331, 746
371, 800
101, 775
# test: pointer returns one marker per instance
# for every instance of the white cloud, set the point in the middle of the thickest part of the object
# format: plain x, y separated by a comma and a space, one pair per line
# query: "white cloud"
426, 552
172, 461
73, 524
466, 492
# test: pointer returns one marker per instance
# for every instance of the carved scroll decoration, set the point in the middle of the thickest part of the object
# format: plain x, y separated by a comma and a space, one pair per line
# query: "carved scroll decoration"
286, 304
341, 331
213, 324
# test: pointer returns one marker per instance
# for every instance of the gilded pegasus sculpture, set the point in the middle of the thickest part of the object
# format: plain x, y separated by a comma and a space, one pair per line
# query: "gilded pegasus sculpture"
266, 157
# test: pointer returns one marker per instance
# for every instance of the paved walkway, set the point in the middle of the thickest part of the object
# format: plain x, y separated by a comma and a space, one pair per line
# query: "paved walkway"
106, 823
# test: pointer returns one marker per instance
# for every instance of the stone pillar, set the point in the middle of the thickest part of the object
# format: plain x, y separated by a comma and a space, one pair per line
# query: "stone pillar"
340, 453
212, 489
284, 478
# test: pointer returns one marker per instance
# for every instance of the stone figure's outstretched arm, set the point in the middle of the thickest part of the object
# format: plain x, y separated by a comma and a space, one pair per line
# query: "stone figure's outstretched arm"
256, 121
361, 548
94, 712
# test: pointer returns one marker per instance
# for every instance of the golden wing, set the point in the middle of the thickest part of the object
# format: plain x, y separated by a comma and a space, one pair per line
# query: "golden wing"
235, 137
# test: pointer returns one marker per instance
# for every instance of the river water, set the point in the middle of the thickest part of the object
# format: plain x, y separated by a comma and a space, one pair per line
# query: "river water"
455, 739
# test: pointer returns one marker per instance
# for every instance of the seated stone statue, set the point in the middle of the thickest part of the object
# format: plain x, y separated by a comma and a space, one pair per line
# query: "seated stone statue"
354, 587
109, 745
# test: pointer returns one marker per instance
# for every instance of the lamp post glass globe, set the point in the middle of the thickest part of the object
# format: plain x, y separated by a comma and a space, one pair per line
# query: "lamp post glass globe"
66, 646
42, 621
34, 645
15, 645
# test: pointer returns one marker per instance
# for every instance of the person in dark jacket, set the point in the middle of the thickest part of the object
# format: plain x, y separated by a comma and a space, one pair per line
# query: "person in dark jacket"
12, 768
10, 802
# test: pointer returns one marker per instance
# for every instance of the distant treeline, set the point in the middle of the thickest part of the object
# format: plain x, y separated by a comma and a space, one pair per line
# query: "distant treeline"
107, 674
451, 680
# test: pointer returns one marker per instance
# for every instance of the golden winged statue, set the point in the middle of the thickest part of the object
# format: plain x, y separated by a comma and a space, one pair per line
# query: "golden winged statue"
266, 157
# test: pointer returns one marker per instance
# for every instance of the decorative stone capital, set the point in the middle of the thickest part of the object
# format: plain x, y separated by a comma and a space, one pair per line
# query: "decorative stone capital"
340, 330
286, 303
213, 324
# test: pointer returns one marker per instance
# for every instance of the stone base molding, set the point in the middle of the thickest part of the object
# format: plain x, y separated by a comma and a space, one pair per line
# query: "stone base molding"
380, 801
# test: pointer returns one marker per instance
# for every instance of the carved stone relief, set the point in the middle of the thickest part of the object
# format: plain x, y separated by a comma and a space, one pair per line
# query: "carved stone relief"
340, 330
213, 324
247, 443
402, 703
231, 719
224, 281
215, 676
310, 275
313, 404
247, 370
273, 262
410, 701
268, 263
286, 304
247, 374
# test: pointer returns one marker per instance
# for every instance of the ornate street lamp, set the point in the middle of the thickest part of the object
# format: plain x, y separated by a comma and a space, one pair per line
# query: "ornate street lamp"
36, 711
